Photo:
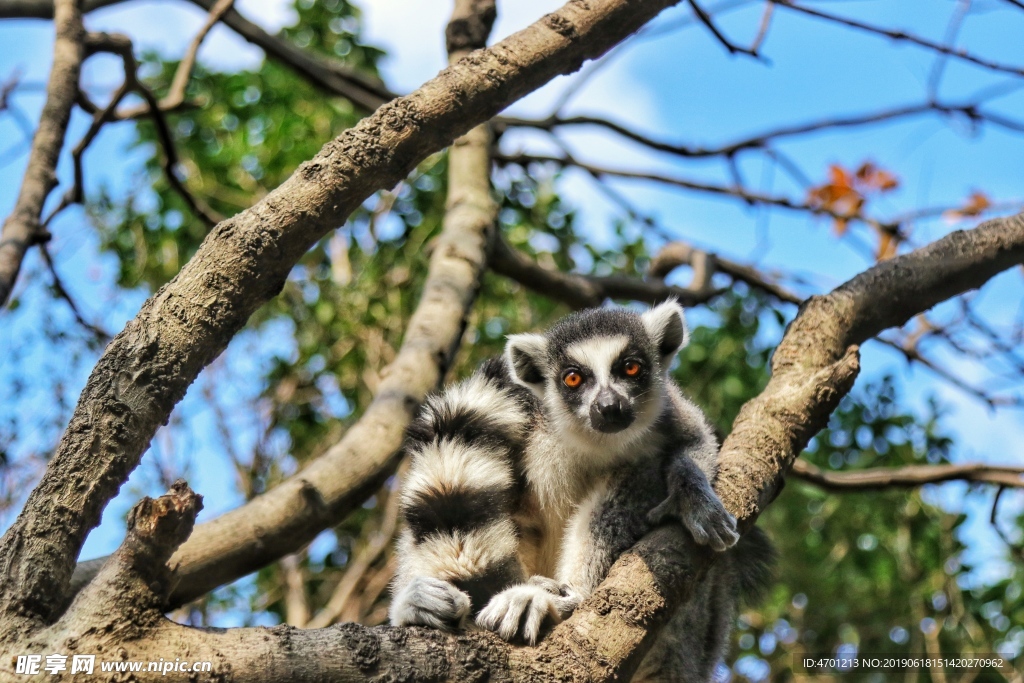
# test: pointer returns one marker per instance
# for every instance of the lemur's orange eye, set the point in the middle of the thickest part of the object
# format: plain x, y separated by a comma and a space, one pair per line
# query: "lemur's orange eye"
631, 368
572, 379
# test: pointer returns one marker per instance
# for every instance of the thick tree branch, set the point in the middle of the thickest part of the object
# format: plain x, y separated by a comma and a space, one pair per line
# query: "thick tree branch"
136, 578
603, 640
814, 365
22, 228
910, 476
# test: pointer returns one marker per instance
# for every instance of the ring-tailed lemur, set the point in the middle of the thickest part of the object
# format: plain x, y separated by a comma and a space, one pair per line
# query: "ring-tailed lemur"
531, 477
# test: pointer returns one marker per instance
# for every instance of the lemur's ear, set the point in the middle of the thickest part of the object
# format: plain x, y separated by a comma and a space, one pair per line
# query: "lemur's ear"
527, 355
667, 327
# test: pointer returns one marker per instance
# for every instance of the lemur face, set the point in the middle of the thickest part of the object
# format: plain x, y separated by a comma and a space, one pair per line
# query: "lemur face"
601, 372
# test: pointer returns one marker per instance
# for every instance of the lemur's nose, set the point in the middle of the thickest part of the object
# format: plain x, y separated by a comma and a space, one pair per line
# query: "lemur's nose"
610, 412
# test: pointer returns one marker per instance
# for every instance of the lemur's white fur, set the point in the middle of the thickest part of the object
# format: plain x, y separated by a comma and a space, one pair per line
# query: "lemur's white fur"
458, 465
462, 554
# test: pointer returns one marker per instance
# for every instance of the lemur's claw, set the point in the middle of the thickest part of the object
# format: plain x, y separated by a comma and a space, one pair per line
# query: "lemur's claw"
426, 601
710, 524
519, 612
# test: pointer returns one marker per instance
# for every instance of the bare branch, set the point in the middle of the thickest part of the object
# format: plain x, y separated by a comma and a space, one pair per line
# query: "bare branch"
903, 36
176, 94
362, 90
99, 335
971, 110
1016, 549
122, 46
911, 353
22, 228
910, 476
582, 291
676, 254
710, 25
710, 188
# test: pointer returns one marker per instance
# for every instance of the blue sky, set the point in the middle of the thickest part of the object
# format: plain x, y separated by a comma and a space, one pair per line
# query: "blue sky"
679, 86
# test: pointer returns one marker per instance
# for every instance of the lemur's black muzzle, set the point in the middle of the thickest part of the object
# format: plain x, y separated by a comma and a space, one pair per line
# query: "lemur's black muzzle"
610, 412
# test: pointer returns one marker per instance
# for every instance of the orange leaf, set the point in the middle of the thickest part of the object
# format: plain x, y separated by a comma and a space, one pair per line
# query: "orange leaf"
886, 246
976, 205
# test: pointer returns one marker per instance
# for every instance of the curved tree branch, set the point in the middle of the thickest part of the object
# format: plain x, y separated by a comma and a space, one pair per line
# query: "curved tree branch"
904, 37
814, 365
22, 228
581, 291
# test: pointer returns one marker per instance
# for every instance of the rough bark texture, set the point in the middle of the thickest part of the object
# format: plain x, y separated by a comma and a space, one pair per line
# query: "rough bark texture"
22, 228
244, 261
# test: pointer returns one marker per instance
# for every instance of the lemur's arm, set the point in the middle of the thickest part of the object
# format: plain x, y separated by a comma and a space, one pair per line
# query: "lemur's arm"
690, 468
460, 544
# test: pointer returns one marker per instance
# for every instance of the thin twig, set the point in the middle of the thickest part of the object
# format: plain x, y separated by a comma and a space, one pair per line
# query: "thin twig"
971, 110
910, 476
122, 46
175, 96
903, 36
1015, 549
710, 25
101, 336
722, 190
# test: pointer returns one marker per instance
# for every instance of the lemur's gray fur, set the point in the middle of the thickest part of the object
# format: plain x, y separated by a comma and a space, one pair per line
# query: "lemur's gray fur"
532, 476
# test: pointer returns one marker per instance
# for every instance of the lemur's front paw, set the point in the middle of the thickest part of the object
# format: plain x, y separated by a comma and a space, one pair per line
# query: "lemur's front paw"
520, 611
426, 601
708, 521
